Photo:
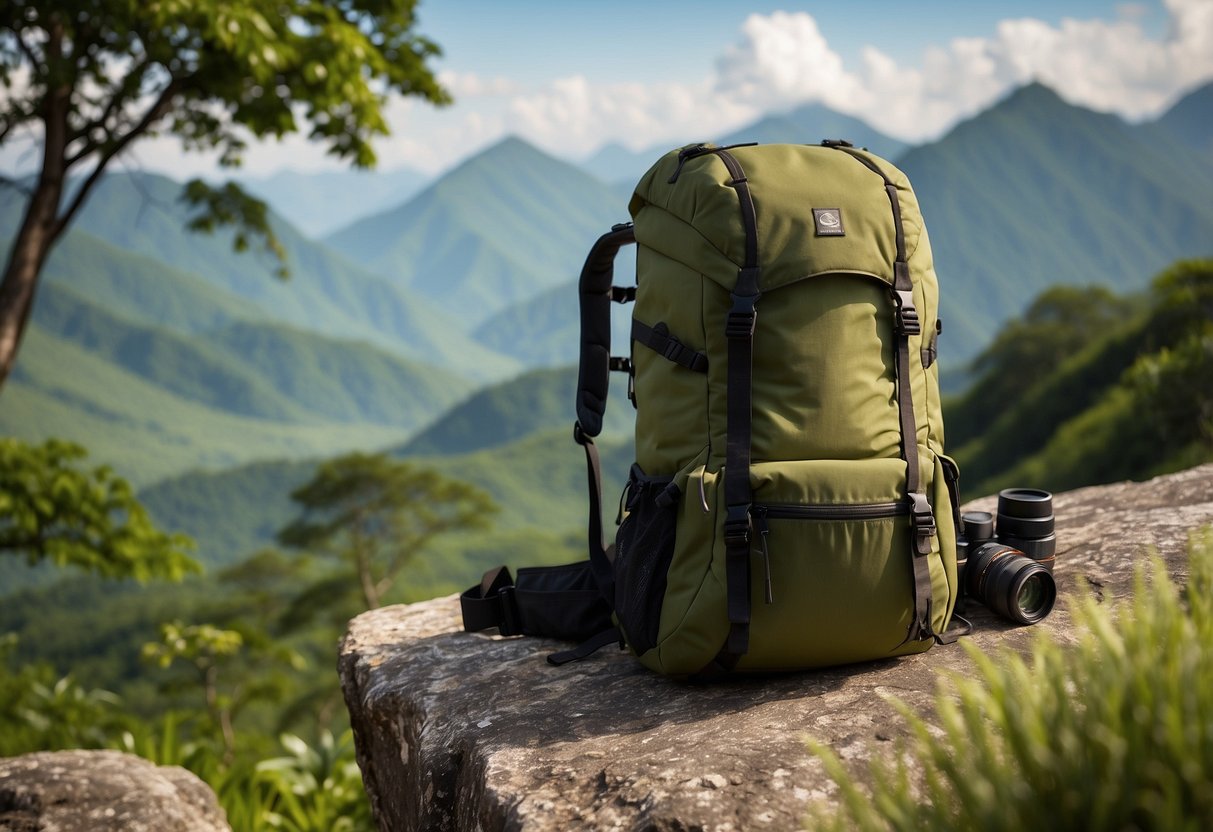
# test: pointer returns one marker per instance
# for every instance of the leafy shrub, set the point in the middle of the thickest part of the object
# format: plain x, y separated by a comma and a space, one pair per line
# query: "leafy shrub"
1115, 732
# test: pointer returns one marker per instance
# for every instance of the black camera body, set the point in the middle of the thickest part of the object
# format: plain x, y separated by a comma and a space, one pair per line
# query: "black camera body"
1011, 570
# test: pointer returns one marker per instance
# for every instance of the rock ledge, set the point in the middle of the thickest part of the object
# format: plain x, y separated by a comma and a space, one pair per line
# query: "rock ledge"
457, 731
103, 791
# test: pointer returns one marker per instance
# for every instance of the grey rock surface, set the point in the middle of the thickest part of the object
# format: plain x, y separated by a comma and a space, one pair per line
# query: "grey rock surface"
103, 791
459, 731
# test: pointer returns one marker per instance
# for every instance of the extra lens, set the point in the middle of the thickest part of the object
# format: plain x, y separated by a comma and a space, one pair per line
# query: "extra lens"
1010, 583
1025, 522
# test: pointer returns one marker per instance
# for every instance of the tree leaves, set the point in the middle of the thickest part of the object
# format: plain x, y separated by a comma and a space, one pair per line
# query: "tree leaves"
53, 509
375, 514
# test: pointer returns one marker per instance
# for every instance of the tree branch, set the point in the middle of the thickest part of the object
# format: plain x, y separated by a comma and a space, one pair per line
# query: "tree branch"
25, 48
121, 95
154, 113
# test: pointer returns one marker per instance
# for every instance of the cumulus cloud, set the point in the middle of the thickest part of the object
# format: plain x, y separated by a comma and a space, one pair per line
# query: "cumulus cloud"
783, 59
778, 61
573, 113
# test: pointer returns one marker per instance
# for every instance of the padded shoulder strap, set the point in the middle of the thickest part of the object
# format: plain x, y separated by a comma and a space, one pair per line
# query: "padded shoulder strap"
595, 292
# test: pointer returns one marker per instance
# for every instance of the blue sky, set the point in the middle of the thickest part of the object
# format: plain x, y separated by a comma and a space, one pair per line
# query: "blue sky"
573, 75
534, 40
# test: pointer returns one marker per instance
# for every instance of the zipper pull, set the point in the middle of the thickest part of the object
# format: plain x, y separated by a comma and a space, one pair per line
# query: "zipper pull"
760, 520
703, 496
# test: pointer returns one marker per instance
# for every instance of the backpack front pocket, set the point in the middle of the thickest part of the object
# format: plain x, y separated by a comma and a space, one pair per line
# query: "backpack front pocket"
832, 576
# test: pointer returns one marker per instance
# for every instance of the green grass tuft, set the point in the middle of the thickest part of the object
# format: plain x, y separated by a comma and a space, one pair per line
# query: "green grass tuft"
1114, 732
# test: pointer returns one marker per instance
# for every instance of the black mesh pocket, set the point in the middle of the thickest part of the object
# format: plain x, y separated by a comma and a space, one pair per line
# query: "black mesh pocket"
644, 546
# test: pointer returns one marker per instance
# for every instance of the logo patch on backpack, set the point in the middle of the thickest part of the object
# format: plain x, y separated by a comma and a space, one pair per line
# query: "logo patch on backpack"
828, 222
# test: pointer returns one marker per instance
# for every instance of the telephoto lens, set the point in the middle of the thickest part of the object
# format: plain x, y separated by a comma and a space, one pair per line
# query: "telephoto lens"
1010, 583
1025, 522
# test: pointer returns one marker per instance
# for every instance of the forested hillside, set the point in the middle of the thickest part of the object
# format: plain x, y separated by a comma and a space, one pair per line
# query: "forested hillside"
1090, 387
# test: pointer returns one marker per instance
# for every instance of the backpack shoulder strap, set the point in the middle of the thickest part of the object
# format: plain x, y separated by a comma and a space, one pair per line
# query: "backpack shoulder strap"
574, 601
596, 293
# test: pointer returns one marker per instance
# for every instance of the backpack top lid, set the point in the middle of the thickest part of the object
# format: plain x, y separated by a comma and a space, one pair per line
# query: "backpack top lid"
687, 201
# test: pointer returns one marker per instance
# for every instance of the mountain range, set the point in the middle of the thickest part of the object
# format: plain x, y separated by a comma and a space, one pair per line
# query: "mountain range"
422, 328
497, 230
320, 203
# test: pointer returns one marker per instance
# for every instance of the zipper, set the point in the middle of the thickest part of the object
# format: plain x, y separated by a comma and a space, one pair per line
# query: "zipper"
781, 511
861, 511
760, 523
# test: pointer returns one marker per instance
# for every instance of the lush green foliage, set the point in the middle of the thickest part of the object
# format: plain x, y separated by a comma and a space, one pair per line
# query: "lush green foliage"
52, 509
374, 515
1089, 388
1111, 733
213, 74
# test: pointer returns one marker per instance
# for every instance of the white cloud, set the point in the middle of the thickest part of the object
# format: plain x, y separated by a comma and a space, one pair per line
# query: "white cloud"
462, 85
778, 61
783, 59
573, 117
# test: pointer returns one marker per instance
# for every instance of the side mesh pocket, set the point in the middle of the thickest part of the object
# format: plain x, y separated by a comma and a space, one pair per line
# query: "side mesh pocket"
644, 547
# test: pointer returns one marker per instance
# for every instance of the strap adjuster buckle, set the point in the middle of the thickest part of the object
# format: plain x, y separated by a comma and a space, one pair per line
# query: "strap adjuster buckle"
737, 526
742, 317
922, 522
906, 319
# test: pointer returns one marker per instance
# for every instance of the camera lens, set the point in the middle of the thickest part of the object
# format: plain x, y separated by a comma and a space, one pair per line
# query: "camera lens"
1025, 502
1032, 596
1010, 583
1025, 522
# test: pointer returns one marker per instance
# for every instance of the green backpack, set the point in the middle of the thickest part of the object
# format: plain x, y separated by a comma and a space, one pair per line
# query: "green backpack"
791, 505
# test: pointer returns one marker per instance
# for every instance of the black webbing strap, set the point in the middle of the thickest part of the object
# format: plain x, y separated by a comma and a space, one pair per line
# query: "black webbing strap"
596, 294
600, 554
587, 647
906, 323
659, 340
491, 604
739, 330
957, 628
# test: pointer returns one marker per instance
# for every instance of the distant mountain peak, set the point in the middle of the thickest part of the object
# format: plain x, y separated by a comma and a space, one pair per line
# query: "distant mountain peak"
1032, 94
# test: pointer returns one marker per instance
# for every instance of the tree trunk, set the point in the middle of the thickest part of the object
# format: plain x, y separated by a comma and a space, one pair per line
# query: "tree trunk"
39, 229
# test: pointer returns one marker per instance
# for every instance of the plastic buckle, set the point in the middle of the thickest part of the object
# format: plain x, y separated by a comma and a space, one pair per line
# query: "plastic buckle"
737, 526
579, 434
922, 521
742, 318
619, 364
623, 294
673, 349
907, 322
